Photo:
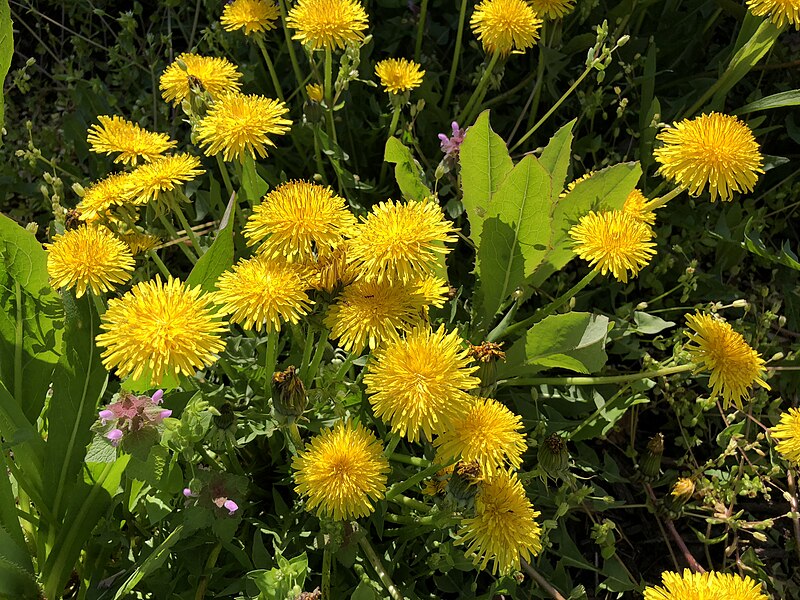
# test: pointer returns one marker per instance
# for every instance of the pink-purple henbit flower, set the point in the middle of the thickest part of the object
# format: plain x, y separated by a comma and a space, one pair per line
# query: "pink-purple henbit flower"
114, 436
231, 506
451, 145
131, 413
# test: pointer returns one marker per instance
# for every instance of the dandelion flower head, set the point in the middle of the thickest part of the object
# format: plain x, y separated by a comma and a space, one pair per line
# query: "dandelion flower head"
613, 242
139, 242
505, 25
635, 206
488, 434
342, 472
254, 16
99, 198
400, 241
116, 135
160, 328
787, 431
733, 365
328, 23
419, 384
553, 9
781, 12
315, 92
239, 124
504, 528
215, 75
88, 257
299, 220
150, 181
260, 293
704, 586
714, 150
399, 75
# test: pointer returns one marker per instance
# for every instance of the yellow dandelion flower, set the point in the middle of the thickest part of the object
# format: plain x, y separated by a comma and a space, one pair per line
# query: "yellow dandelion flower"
215, 75
733, 365
732, 586
399, 75
160, 328
488, 434
328, 23
505, 25
553, 9
315, 92
115, 134
682, 489
704, 586
635, 207
788, 432
400, 241
433, 290
254, 16
370, 313
613, 242
781, 12
88, 257
139, 242
331, 271
715, 150
261, 292
99, 198
299, 220
504, 528
419, 384
237, 124
148, 182
571, 185
342, 472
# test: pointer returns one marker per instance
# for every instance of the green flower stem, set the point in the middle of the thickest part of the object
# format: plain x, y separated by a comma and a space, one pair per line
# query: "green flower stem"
202, 585
327, 557
395, 119
462, 14
394, 439
159, 263
174, 235
410, 460
345, 367
416, 505
298, 74
528, 381
294, 435
402, 486
659, 202
187, 228
318, 156
270, 67
505, 322
308, 345
376, 563
430, 520
223, 170
270, 361
546, 310
328, 85
474, 102
313, 368
423, 16
99, 303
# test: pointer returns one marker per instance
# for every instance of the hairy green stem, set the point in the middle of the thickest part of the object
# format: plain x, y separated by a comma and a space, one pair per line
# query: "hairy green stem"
659, 202
270, 67
451, 80
377, 564
423, 16
474, 102
527, 381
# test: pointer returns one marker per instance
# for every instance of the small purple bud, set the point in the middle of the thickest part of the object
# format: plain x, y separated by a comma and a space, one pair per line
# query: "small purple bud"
443, 138
231, 506
164, 414
115, 435
158, 396
456, 129
188, 493
106, 415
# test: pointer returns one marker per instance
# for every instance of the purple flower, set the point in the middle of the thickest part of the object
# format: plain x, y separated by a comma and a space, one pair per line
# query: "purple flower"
157, 396
231, 506
451, 145
115, 435
188, 493
164, 414
106, 415
131, 413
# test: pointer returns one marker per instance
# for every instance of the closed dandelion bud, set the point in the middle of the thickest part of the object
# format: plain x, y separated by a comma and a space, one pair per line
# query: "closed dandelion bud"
289, 393
553, 456
461, 487
682, 490
226, 417
486, 355
650, 466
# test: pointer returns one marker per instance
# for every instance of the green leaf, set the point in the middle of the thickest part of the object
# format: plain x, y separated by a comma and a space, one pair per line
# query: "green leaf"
484, 164
790, 98
6, 51
12, 540
219, 256
364, 591
753, 243
31, 319
573, 341
78, 385
650, 324
16, 583
253, 185
19, 434
150, 564
407, 171
605, 190
515, 234
555, 159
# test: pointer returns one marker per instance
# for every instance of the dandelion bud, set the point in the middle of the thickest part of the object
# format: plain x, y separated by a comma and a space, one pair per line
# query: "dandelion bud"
650, 466
777, 356
682, 490
553, 456
641, 306
289, 394
487, 354
740, 303
461, 487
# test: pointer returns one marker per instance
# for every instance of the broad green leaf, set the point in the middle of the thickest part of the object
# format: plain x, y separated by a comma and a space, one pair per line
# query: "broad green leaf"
219, 257
574, 341
650, 324
364, 591
407, 171
29, 448
484, 164
253, 185
79, 382
515, 234
555, 159
605, 190
150, 564
6, 51
16, 583
31, 319
790, 98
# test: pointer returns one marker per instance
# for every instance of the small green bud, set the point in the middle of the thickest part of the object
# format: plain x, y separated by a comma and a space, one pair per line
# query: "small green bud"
553, 456
650, 465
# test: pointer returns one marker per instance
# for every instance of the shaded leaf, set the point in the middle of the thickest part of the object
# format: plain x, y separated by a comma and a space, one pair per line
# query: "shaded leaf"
219, 257
407, 171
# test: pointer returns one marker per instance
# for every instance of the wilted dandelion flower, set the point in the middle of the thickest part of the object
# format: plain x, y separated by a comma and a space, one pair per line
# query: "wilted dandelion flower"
342, 472
713, 149
553, 9
260, 292
781, 12
635, 206
571, 185
399, 75
788, 432
488, 434
148, 182
88, 257
369, 313
299, 220
704, 586
682, 489
733, 365
254, 16
420, 383
160, 328
327, 23
215, 75
139, 242
237, 124
115, 134
400, 241
100, 197
505, 25
613, 242
504, 528
315, 92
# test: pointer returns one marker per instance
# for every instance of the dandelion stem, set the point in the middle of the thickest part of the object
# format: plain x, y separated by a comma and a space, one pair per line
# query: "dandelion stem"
541, 581
99, 303
659, 202
298, 74
326, 572
270, 361
790, 480
329, 93
314, 367
270, 67
690, 559
225, 177
423, 16
393, 441
456, 53
174, 235
416, 505
474, 102
526, 381
395, 118
203, 583
187, 229
159, 263
376, 563
402, 486
345, 367
410, 460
